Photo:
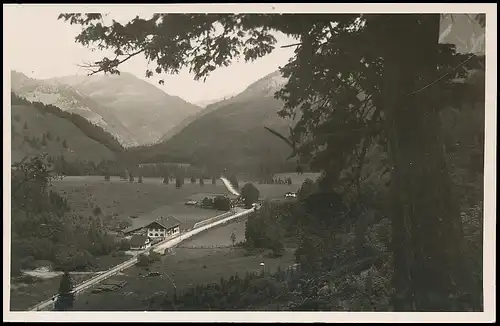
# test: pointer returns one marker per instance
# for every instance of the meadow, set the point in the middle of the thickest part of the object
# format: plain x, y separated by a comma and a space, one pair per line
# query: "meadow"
197, 260
119, 199
192, 262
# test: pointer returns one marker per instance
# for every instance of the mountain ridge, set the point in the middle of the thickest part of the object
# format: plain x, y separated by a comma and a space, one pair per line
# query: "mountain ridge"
133, 110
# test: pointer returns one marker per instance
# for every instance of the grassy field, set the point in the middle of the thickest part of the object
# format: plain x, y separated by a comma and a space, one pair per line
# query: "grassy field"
218, 237
190, 264
122, 199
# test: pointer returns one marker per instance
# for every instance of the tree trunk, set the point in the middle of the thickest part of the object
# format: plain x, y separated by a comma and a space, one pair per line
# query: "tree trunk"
427, 234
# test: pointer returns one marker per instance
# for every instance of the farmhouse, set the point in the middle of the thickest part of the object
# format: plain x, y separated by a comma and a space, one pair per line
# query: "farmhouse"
157, 229
163, 227
139, 242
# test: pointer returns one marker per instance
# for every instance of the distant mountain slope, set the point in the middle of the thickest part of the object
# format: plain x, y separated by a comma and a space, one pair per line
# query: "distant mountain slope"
145, 111
230, 132
35, 130
264, 87
70, 100
206, 103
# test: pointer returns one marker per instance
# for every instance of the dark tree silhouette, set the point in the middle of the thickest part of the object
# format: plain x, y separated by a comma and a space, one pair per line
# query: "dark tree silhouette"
250, 194
357, 80
65, 296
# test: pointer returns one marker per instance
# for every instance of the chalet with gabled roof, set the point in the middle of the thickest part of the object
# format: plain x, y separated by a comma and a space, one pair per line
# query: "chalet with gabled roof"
163, 227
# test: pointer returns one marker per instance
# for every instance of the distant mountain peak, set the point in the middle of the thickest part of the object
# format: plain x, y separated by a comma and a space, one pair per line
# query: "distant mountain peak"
134, 111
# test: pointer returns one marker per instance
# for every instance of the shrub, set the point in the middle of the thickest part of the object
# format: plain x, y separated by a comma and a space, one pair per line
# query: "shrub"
28, 262
143, 260
97, 211
250, 194
121, 254
73, 258
124, 245
222, 203
154, 256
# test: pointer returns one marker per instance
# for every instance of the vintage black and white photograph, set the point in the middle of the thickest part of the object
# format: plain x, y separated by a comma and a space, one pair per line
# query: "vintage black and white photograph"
212, 158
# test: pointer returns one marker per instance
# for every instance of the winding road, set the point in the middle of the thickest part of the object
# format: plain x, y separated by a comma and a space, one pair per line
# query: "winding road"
229, 186
159, 247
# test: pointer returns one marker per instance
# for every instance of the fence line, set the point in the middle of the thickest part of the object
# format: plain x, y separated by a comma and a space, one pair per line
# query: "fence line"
212, 219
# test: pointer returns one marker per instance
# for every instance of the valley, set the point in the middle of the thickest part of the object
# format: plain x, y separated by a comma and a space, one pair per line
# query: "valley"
353, 172
117, 201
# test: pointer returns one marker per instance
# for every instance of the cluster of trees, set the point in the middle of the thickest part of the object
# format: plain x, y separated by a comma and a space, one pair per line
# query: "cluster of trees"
44, 228
233, 293
264, 229
63, 166
220, 203
276, 181
358, 82
37, 143
144, 260
88, 128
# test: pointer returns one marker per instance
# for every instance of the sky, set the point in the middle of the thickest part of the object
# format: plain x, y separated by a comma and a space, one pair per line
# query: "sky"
40, 46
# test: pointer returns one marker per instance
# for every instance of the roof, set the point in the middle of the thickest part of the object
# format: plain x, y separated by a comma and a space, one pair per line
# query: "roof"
167, 222
138, 240
145, 219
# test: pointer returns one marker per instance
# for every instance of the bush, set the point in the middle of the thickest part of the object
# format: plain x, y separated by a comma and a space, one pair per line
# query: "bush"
277, 248
154, 256
27, 279
124, 245
28, 262
143, 260
250, 194
15, 266
222, 203
73, 258
97, 211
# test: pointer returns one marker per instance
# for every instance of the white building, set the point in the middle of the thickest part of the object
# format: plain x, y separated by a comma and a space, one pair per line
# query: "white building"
163, 227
